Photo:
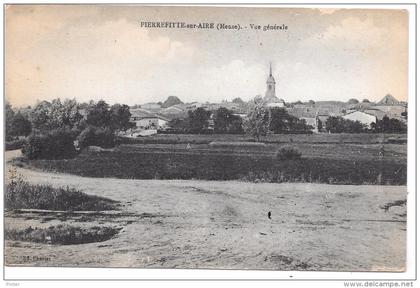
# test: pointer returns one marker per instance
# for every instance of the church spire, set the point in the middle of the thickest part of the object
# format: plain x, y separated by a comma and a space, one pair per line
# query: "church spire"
271, 74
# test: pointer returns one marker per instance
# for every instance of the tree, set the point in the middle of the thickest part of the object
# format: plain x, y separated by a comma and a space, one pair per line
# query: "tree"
179, 125
172, 100
56, 115
365, 101
9, 116
20, 125
226, 122
336, 124
94, 136
120, 117
238, 100
40, 116
353, 101
55, 144
236, 126
311, 102
71, 116
282, 122
98, 114
387, 125
257, 122
198, 120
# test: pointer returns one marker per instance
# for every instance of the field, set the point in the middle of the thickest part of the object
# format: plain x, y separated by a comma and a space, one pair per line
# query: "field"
339, 159
170, 216
362, 138
223, 225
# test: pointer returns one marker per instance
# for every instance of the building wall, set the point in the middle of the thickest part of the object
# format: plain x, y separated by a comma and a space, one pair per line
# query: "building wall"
279, 104
151, 123
360, 116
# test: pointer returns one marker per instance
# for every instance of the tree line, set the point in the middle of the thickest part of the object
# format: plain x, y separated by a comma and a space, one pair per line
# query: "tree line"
259, 121
53, 127
336, 124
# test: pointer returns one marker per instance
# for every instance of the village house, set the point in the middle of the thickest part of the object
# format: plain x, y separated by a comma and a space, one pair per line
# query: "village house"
360, 116
146, 120
155, 107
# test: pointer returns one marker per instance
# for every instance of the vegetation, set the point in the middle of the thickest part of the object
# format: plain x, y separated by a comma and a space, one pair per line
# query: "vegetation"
47, 116
62, 234
20, 194
15, 144
282, 122
198, 121
94, 136
58, 124
387, 125
335, 124
230, 166
116, 117
288, 153
226, 122
353, 101
238, 100
324, 138
258, 121
56, 144
17, 124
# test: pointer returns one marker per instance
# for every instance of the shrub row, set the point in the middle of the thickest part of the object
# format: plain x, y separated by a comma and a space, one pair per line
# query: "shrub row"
57, 144
22, 195
62, 234
60, 143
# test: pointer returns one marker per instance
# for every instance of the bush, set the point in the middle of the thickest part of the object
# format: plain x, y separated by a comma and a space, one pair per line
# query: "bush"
57, 144
62, 234
94, 136
288, 153
15, 144
22, 195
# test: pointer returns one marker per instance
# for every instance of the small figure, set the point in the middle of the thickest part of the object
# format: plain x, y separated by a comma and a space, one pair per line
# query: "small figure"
188, 146
269, 214
382, 150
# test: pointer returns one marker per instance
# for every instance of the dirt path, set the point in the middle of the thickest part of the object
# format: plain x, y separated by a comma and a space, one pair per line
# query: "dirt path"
212, 224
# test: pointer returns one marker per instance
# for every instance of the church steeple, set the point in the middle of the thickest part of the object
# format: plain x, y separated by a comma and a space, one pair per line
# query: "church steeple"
270, 98
271, 85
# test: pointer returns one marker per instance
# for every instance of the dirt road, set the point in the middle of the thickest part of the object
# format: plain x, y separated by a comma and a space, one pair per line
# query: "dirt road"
212, 224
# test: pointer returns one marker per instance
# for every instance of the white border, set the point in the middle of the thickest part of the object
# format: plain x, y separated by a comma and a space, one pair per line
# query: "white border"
105, 273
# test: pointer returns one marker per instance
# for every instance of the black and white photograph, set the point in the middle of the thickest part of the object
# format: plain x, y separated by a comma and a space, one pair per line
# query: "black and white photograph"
206, 137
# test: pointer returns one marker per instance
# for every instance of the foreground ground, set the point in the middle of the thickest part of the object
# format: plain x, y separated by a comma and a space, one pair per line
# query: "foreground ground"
224, 225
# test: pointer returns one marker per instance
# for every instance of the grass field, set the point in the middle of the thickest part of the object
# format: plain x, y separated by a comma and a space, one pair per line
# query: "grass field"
362, 138
334, 159
229, 166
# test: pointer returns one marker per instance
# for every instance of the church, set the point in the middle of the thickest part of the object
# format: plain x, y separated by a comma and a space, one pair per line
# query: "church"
270, 99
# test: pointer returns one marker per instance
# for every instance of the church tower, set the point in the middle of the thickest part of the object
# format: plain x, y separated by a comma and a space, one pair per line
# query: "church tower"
271, 86
270, 98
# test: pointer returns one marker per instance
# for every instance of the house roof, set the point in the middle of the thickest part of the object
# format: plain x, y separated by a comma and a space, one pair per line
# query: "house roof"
272, 99
379, 114
388, 100
142, 113
358, 111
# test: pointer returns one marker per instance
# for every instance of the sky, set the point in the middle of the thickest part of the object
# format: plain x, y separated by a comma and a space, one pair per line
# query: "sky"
102, 52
